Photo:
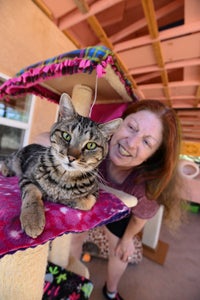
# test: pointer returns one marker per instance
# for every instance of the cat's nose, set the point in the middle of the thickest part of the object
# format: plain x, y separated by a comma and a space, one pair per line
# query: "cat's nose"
71, 158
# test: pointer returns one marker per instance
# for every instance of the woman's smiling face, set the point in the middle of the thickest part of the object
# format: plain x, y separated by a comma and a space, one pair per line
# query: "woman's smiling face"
138, 137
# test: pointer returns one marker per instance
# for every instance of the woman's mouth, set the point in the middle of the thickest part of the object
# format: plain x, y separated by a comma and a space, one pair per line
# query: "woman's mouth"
123, 151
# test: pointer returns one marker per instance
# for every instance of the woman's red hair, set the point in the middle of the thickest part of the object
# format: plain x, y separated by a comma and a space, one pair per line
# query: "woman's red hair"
160, 170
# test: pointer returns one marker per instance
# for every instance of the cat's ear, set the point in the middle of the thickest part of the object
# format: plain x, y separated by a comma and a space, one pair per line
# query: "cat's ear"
66, 108
110, 127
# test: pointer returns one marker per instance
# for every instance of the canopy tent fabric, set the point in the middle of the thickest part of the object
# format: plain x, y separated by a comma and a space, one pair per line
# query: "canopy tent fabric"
49, 79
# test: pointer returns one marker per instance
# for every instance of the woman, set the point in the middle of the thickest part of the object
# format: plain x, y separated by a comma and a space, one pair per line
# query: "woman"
142, 161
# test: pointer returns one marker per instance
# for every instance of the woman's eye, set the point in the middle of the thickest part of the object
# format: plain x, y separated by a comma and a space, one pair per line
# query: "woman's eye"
67, 137
91, 146
132, 127
147, 143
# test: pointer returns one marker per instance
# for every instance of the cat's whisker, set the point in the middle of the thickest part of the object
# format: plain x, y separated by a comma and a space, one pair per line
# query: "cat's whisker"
63, 174
101, 179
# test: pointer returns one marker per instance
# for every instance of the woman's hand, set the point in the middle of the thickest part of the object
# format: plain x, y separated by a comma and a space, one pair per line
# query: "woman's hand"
125, 249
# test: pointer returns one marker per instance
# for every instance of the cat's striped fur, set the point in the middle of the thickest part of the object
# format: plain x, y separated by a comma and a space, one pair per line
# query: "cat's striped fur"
66, 171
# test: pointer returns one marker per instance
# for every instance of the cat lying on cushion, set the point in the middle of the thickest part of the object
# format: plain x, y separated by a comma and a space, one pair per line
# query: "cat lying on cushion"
65, 172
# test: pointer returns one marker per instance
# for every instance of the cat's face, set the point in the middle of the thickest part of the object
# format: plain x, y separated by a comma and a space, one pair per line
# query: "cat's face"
79, 143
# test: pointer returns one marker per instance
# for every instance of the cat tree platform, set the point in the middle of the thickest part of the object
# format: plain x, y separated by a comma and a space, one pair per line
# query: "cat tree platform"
85, 74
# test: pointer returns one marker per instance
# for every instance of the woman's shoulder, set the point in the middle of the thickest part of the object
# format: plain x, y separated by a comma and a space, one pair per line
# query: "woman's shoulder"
146, 208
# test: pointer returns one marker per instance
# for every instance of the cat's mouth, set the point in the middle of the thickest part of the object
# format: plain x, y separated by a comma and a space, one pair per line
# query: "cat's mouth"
70, 165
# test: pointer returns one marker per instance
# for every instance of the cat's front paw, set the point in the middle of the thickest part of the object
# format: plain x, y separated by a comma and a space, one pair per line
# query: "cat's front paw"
86, 203
33, 220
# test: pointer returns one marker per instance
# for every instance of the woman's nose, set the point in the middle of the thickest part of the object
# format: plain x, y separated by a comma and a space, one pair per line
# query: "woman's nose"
133, 141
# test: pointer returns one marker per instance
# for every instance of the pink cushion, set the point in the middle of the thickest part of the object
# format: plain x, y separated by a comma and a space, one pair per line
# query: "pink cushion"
60, 219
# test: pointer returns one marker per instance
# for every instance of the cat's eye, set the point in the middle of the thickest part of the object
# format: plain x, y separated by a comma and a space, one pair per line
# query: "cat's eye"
91, 145
67, 137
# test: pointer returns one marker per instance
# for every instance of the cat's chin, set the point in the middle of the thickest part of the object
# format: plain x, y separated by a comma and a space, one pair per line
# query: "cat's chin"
76, 167
72, 169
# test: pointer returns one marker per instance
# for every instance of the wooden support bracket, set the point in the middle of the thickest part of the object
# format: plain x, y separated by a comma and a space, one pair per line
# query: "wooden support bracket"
159, 254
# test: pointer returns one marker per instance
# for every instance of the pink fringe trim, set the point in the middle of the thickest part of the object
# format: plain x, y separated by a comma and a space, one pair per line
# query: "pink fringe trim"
29, 81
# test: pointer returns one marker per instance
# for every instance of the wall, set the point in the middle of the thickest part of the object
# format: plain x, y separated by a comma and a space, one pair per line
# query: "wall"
28, 36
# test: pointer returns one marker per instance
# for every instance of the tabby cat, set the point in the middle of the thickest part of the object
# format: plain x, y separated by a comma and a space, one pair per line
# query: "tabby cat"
66, 171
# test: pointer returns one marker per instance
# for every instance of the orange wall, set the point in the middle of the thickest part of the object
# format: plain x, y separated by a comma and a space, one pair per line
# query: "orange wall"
28, 36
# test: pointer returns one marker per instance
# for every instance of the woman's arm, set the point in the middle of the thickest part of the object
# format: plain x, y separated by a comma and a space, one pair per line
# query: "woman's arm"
135, 225
125, 246
127, 199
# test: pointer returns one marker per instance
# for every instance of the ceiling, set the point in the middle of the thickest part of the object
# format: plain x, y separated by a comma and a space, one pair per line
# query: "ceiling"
156, 43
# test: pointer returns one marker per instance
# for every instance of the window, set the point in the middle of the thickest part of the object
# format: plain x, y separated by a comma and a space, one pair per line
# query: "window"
15, 119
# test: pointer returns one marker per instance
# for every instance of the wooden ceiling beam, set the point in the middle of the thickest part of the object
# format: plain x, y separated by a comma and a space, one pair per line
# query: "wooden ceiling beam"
147, 77
77, 17
197, 96
100, 33
163, 35
44, 8
181, 100
167, 9
187, 113
194, 130
168, 66
105, 18
189, 120
149, 12
94, 23
82, 6
189, 125
191, 135
171, 84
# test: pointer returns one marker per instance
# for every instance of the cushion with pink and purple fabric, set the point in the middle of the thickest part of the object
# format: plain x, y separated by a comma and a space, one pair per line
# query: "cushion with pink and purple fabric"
60, 219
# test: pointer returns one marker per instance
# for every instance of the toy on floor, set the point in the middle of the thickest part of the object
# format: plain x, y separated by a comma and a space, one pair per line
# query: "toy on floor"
96, 245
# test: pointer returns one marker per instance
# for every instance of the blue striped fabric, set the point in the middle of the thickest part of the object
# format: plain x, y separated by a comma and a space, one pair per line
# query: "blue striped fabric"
95, 54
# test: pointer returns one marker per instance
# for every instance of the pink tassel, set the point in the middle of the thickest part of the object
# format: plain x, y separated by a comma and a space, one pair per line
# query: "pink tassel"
100, 71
